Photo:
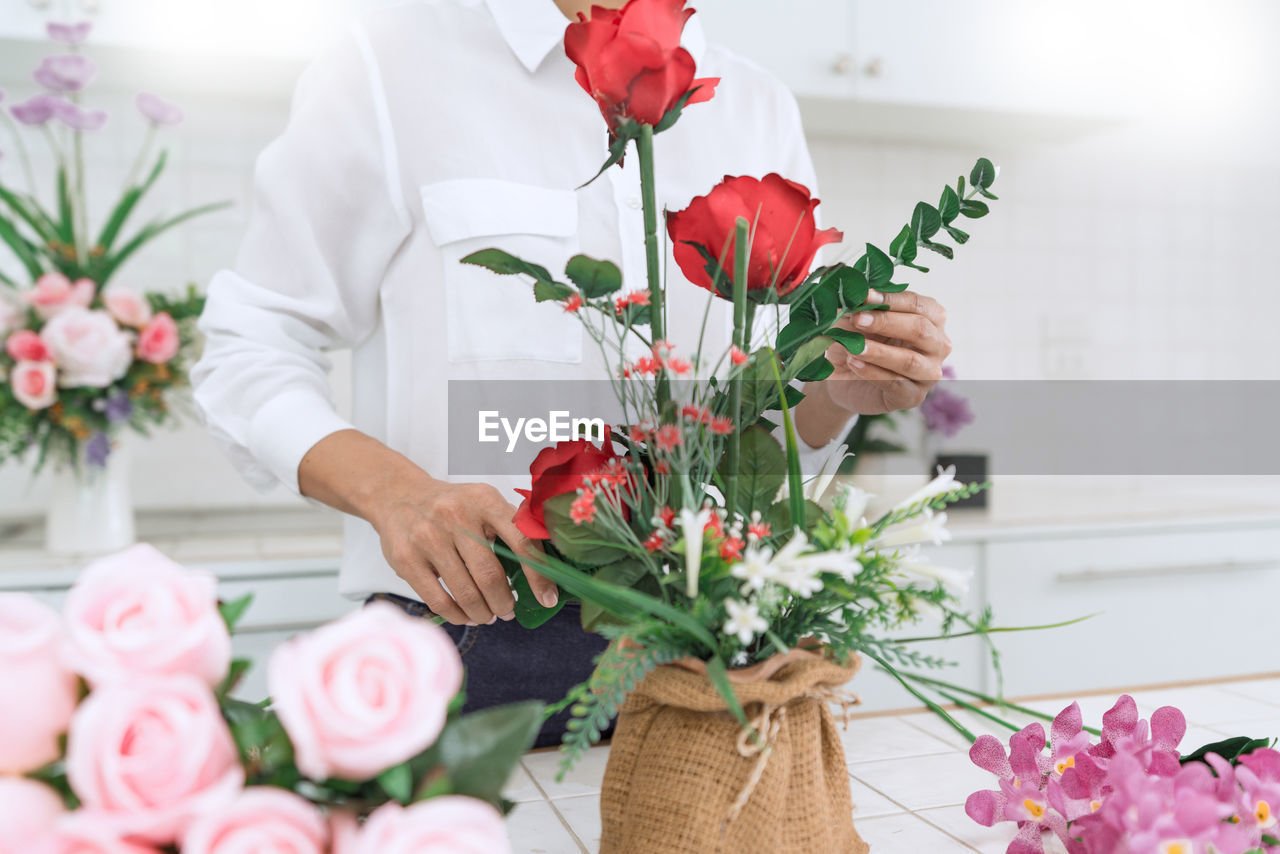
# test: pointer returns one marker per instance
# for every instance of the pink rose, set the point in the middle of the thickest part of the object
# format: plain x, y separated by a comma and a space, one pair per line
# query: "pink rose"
34, 384
152, 755
37, 693
90, 349
26, 346
448, 825
54, 292
127, 307
344, 832
159, 342
28, 813
364, 693
137, 613
85, 832
262, 820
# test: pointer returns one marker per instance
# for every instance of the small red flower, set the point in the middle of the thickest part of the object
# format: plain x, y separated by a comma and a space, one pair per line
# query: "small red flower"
679, 366
662, 348
654, 542
583, 509
714, 526
721, 426
645, 365
573, 303
639, 432
737, 356
668, 437
759, 530
692, 412
667, 515
619, 305
661, 467
731, 549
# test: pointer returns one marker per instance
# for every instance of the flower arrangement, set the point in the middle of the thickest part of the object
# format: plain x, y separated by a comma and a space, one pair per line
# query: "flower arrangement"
1130, 791
121, 735
81, 360
690, 532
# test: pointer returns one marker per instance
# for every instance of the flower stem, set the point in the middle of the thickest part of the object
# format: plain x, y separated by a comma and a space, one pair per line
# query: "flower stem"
649, 196
741, 261
795, 485
22, 153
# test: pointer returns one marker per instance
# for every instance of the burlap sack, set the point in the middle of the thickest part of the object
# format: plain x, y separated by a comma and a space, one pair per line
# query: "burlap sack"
682, 779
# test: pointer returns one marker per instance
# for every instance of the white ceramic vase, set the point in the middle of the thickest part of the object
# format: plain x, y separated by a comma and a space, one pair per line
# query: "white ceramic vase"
91, 508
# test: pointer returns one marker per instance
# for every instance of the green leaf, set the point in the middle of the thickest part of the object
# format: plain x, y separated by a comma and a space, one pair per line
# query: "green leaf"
983, 174
851, 285
974, 209
116, 221
1230, 749
112, 263
551, 291
877, 266
795, 334
779, 515
480, 750
904, 245
949, 205
816, 371
594, 278
27, 254
941, 248
925, 221
899, 287
232, 611
673, 115
397, 782
854, 342
960, 237
66, 223
29, 211
822, 308
583, 544
762, 467
239, 667
505, 264
530, 613
617, 150
986, 194
719, 677
624, 573
809, 352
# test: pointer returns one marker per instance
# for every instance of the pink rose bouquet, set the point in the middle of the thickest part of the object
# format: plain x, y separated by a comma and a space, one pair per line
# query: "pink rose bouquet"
122, 735
80, 362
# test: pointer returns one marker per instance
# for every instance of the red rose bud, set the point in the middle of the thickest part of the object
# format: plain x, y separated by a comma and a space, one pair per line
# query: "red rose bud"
631, 62
556, 471
784, 236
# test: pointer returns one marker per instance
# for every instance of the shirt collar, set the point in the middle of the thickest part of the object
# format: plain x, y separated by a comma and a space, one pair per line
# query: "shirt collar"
534, 28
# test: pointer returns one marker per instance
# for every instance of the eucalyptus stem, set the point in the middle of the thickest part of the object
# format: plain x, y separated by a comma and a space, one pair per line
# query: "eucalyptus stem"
649, 196
741, 263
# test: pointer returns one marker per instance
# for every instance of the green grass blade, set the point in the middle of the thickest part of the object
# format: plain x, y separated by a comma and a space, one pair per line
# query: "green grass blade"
118, 217
28, 255
112, 263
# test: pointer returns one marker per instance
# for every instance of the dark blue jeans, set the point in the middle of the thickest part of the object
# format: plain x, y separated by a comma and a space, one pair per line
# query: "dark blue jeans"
507, 663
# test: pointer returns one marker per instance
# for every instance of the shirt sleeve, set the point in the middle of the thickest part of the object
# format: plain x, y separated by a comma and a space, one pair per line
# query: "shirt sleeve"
327, 218
799, 167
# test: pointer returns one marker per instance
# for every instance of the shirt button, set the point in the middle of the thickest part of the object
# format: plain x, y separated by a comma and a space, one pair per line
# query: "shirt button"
634, 203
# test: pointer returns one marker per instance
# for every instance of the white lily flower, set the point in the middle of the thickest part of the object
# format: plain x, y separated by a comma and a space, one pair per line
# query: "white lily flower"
744, 621
801, 578
954, 581
693, 523
844, 561
943, 483
815, 488
855, 503
927, 610
755, 569
928, 527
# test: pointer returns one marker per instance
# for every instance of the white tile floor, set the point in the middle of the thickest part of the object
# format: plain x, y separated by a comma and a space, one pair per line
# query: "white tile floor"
910, 773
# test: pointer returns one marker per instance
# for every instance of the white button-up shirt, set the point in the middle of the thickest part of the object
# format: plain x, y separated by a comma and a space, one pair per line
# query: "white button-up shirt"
435, 129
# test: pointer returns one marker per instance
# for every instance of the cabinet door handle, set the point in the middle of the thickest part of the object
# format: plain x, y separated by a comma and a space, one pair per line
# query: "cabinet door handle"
1165, 571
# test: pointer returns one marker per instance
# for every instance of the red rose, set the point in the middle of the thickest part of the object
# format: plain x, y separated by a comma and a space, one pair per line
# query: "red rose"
556, 471
784, 234
630, 60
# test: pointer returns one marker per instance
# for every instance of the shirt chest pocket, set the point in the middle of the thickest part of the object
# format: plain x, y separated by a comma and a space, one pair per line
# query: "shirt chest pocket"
491, 316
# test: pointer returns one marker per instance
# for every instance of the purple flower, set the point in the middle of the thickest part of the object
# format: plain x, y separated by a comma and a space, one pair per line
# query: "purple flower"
97, 449
158, 110
36, 110
948, 372
76, 118
118, 408
68, 72
69, 34
946, 412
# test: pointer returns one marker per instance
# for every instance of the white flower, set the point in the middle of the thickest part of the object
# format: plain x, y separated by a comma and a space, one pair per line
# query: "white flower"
88, 347
928, 527
801, 578
755, 569
844, 561
943, 483
744, 621
954, 581
692, 523
814, 489
925, 609
855, 503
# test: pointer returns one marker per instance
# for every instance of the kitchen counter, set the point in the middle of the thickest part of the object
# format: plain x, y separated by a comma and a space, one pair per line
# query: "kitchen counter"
909, 772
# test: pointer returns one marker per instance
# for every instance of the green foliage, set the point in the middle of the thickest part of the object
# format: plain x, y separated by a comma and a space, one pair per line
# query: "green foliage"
585, 544
1230, 749
593, 278
762, 468
480, 750
234, 610
505, 264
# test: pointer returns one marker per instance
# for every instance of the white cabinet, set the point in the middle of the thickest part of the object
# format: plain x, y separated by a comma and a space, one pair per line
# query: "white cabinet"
1171, 606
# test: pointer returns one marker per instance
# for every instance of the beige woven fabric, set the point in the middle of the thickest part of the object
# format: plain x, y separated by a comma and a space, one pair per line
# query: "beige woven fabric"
676, 778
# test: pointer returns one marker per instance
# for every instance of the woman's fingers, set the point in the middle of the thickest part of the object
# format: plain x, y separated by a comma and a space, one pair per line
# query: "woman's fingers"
454, 574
